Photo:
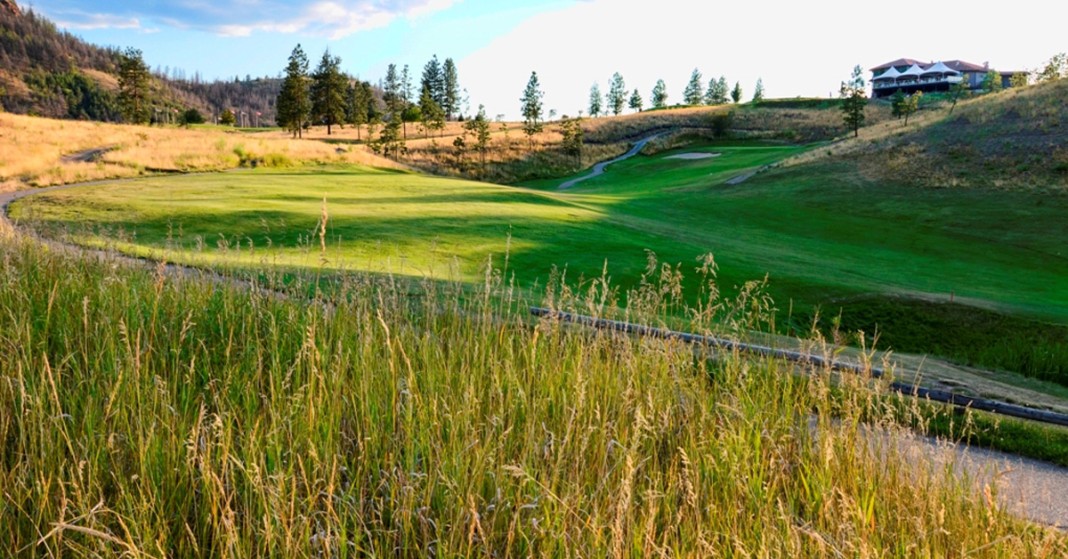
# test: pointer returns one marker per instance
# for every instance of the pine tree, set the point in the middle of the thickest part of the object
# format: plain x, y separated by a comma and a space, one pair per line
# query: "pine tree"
722, 91
595, 100
328, 92
133, 87
897, 104
430, 113
710, 93
694, 92
617, 94
356, 109
532, 107
758, 91
433, 80
571, 144
391, 92
479, 128
736, 93
660, 95
294, 103
636, 101
854, 100
450, 102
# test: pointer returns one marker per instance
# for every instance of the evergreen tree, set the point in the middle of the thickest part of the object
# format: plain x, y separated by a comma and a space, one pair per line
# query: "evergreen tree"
479, 128
391, 92
228, 118
636, 102
736, 93
693, 93
430, 113
450, 101
571, 130
406, 86
595, 100
617, 94
133, 87
532, 107
710, 93
897, 104
758, 91
660, 95
434, 81
328, 92
294, 103
356, 109
722, 91
854, 100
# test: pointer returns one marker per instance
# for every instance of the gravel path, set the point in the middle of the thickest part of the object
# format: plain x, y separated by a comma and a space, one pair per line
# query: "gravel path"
599, 168
1028, 488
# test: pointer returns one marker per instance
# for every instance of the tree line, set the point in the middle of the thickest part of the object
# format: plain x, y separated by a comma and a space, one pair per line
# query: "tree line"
329, 97
695, 93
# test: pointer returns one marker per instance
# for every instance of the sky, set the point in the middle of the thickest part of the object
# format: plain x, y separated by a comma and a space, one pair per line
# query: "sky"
795, 47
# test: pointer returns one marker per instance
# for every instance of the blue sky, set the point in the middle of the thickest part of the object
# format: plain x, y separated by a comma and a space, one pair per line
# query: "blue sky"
796, 48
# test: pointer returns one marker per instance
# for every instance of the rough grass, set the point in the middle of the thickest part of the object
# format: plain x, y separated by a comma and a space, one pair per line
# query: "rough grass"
969, 335
1010, 140
33, 151
185, 418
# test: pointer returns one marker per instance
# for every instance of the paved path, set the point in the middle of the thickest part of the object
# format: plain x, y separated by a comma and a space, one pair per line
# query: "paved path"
1029, 488
599, 168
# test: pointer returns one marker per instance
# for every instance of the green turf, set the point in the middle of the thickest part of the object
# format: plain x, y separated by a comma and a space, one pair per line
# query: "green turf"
822, 233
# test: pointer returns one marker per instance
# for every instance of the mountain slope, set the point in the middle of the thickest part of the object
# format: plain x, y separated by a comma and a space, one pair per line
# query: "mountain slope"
48, 72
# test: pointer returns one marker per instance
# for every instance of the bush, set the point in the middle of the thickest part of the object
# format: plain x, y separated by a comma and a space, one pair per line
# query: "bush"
191, 116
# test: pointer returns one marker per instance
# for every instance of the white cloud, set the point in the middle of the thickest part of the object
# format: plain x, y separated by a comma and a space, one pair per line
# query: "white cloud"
338, 19
100, 21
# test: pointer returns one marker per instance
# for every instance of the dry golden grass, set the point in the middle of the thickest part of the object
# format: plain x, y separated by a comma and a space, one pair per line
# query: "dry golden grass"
35, 151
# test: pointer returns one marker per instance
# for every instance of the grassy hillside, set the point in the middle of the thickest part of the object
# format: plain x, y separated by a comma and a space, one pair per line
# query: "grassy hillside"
1015, 139
186, 418
512, 157
41, 152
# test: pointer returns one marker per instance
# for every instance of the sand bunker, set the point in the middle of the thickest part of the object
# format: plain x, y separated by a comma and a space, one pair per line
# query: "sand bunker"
696, 155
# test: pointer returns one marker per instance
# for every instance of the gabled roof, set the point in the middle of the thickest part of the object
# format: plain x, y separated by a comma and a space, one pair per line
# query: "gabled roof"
962, 66
898, 62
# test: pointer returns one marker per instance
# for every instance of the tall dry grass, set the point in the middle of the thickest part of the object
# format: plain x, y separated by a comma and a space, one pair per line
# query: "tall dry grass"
152, 416
35, 151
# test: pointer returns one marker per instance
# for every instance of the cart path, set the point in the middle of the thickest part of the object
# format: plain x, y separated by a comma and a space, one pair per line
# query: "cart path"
599, 168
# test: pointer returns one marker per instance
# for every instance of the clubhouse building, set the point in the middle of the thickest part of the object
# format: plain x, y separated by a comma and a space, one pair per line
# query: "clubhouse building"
911, 76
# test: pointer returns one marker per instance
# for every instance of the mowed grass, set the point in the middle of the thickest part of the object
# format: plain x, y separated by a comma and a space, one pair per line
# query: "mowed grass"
156, 416
822, 233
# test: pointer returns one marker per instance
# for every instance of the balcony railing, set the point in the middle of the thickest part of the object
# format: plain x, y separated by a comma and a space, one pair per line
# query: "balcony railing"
885, 84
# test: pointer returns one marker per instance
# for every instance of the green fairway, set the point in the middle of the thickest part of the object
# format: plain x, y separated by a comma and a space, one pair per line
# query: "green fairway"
822, 233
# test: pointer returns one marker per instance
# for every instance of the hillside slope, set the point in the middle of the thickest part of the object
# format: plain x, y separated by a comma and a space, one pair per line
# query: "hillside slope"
1014, 139
48, 72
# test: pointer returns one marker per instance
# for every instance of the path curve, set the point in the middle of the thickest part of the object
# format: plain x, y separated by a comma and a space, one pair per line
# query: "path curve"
599, 168
1028, 488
